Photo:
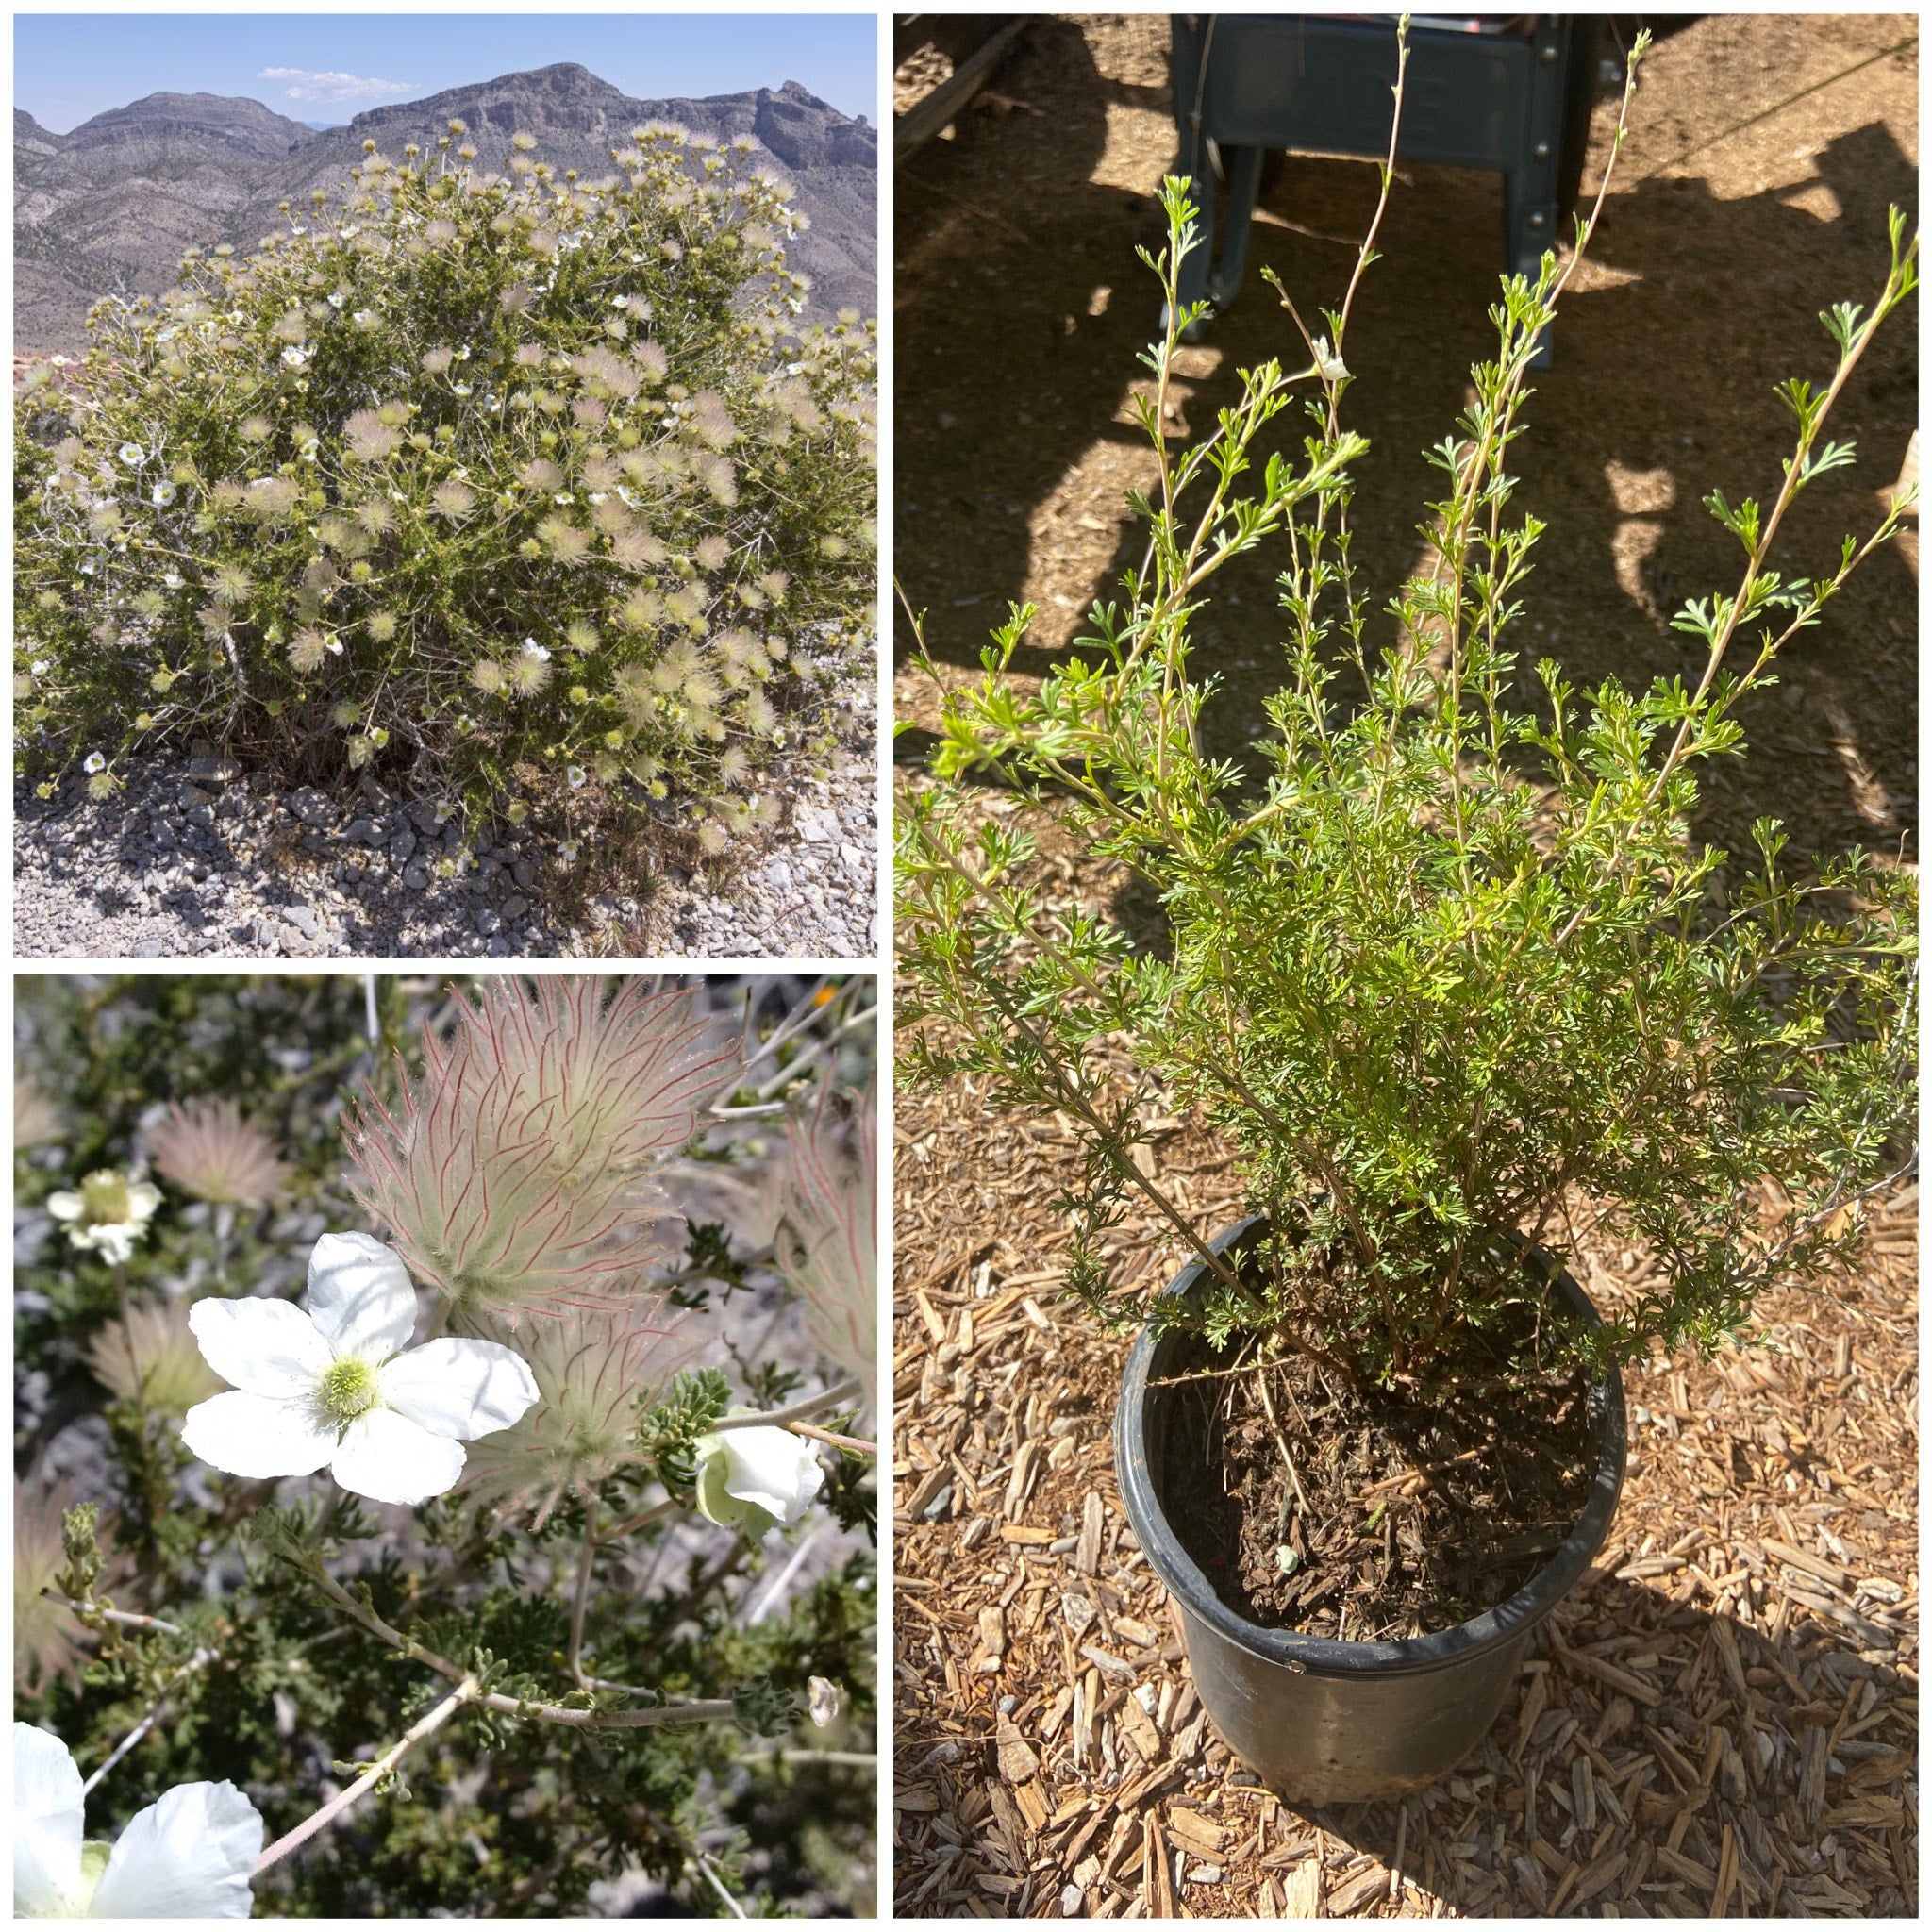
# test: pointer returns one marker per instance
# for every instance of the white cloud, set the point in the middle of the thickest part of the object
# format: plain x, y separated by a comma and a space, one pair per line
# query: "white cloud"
305, 86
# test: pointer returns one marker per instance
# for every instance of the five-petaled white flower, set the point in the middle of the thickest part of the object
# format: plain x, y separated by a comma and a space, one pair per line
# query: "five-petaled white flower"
188, 1857
133, 454
337, 1383
531, 648
573, 775
109, 1213
295, 358
756, 1479
93, 763
163, 493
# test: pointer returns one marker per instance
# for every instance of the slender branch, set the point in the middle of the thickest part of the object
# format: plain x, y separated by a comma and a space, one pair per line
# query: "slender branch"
638, 1691
692, 1851
796, 1413
849, 1442
147, 1724
800, 1061
704, 1866
130, 1618
431, 1720
868, 1760
587, 1564
697, 1710
656, 1513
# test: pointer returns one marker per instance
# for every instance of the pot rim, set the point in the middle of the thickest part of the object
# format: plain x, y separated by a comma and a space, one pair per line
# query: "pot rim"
1506, 1622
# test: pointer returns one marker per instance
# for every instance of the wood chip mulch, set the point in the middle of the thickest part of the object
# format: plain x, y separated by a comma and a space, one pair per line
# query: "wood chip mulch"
1722, 1721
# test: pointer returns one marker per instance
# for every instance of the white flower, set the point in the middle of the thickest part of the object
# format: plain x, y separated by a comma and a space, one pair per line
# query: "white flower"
109, 1213
39, 667
295, 358
163, 493
1332, 368
600, 496
363, 318
188, 1857
133, 454
347, 233
567, 852
337, 299
573, 775
533, 649
756, 1479
821, 1700
337, 1383
61, 362
174, 580
462, 388
93, 763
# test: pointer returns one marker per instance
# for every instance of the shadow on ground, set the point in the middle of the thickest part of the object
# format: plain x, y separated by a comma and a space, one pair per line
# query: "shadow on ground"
1020, 310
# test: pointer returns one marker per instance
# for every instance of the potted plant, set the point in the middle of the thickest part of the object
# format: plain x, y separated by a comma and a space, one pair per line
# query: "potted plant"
1449, 967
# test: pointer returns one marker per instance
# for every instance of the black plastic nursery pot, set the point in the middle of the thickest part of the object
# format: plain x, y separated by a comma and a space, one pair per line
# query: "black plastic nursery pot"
1323, 1722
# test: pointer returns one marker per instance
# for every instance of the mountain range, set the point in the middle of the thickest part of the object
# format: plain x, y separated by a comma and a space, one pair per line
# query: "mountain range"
110, 208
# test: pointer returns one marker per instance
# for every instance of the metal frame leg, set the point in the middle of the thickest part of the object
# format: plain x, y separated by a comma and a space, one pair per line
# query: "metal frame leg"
1237, 223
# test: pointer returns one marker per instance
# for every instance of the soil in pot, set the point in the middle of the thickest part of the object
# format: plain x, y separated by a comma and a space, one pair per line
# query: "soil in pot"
1358, 1512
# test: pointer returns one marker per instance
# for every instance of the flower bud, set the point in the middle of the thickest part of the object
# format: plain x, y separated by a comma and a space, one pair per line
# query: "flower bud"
756, 1479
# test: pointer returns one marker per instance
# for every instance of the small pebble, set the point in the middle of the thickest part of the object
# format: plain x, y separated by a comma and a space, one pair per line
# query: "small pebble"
310, 871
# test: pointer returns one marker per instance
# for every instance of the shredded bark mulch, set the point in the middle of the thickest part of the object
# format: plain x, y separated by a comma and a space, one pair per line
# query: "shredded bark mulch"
1721, 1720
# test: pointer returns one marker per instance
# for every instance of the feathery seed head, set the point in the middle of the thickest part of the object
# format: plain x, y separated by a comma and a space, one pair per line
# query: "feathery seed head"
46, 1636
598, 1370
150, 1357
37, 1119
516, 1173
827, 1242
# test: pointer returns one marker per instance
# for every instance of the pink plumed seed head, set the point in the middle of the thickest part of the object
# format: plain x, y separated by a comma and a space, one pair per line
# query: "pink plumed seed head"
516, 1174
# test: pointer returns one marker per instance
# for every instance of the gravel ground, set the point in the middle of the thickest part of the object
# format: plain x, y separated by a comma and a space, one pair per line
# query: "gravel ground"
193, 859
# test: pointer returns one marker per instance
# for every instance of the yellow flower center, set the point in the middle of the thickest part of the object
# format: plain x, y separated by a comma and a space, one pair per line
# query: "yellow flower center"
347, 1390
104, 1201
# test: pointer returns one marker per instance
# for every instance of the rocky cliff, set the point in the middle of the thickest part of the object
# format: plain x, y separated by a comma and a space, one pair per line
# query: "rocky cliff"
112, 207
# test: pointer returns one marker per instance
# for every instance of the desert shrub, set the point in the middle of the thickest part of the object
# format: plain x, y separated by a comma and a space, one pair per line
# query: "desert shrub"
505, 484
260, 1623
1453, 961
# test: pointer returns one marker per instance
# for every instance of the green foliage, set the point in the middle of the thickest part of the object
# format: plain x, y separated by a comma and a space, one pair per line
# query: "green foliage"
513, 486
1455, 959
670, 1432
246, 1607
763, 1709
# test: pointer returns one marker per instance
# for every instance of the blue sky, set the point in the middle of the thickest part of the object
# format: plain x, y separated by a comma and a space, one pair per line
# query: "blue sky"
329, 68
